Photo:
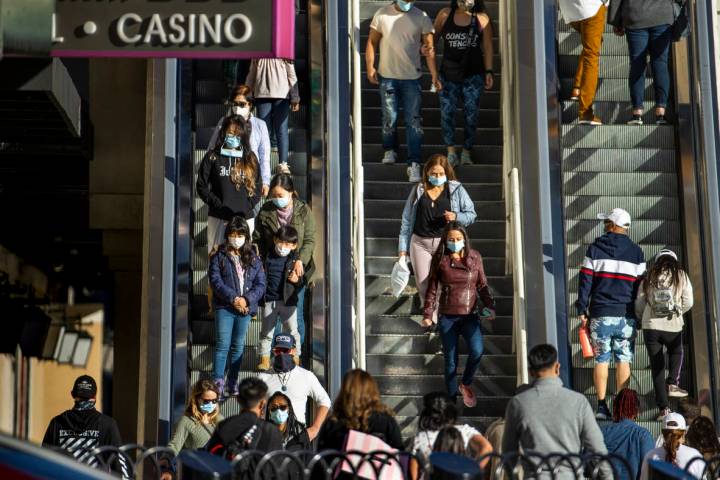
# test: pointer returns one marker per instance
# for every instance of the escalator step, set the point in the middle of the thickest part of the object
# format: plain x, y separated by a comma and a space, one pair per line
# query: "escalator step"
655, 207
571, 44
612, 113
619, 160
620, 184
618, 136
608, 89
642, 231
611, 66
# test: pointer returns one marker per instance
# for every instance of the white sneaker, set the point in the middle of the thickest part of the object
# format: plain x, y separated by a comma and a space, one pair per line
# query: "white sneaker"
414, 174
284, 168
390, 157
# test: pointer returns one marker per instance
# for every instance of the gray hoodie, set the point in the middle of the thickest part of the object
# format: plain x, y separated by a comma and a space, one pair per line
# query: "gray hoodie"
636, 14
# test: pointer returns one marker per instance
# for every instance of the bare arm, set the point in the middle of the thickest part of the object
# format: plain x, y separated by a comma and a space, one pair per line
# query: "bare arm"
440, 22
486, 24
320, 415
427, 41
482, 446
372, 45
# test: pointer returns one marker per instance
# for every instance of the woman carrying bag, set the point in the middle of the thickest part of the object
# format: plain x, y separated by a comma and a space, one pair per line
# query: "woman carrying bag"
457, 272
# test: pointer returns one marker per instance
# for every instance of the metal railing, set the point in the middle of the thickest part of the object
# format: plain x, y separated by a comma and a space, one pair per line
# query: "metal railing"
519, 319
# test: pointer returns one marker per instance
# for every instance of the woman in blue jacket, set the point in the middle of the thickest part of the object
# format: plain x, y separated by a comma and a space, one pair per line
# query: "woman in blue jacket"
437, 200
237, 280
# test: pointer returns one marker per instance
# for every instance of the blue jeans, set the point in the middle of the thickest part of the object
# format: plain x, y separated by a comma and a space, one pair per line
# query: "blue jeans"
300, 319
230, 331
656, 42
393, 93
275, 113
450, 328
471, 89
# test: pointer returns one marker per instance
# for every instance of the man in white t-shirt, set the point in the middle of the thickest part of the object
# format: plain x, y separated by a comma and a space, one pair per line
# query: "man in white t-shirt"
587, 17
684, 455
400, 30
297, 383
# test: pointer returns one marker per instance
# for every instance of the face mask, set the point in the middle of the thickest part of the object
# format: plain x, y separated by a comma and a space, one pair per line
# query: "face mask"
236, 242
281, 202
455, 246
404, 6
437, 181
207, 407
232, 141
85, 404
278, 417
466, 4
231, 152
283, 363
282, 251
242, 111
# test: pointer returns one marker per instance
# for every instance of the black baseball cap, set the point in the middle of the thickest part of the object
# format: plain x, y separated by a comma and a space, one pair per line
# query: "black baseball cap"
284, 341
84, 387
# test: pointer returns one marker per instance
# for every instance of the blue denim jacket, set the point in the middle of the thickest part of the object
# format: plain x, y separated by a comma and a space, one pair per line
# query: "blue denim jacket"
460, 203
226, 285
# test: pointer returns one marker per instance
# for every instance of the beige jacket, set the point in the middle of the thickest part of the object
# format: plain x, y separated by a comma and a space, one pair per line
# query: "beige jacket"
273, 78
683, 298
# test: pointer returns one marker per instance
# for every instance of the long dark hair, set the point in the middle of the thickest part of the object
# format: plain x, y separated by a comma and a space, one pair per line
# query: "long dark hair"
662, 266
478, 8
449, 440
247, 167
701, 435
442, 248
438, 411
294, 427
238, 225
284, 181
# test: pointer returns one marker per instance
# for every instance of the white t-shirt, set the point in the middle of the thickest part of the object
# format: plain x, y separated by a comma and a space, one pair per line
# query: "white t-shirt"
576, 10
300, 384
683, 457
401, 41
424, 440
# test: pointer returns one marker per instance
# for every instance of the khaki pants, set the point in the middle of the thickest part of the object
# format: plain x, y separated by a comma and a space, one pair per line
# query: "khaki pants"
586, 75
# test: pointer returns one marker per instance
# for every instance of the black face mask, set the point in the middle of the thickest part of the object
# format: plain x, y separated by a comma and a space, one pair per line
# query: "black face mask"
283, 362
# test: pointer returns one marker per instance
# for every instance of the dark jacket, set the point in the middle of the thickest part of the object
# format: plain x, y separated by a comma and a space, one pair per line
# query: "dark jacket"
609, 277
266, 437
380, 424
636, 14
461, 282
225, 200
289, 291
266, 224
298, 443
632, 442
226, 285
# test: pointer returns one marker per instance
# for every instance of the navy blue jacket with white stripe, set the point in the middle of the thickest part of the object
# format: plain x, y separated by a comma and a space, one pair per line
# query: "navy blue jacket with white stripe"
610, 276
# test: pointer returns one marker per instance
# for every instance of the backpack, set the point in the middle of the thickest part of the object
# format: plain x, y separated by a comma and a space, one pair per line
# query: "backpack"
662, 300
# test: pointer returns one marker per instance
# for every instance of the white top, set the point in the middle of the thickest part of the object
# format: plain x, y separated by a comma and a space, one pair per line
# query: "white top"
683, 457
576, 10
683, 300
424, 440
401, 41
300, 384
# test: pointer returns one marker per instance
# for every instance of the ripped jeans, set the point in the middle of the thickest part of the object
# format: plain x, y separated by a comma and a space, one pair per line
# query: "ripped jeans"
393, 94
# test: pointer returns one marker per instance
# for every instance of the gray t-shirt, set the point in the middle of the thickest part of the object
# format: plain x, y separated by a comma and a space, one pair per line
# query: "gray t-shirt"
401, 41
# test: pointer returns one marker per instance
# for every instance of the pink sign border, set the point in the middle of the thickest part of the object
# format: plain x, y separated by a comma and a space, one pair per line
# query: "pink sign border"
283, 43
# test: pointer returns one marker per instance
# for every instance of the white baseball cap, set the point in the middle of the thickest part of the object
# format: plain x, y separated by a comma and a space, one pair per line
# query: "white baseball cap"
618, 216
674, 421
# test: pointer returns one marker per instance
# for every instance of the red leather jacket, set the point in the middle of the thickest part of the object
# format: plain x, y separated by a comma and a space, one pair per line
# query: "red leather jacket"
460, 283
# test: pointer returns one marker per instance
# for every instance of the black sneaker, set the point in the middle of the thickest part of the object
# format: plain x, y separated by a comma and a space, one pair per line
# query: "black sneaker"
603, 412
635, 120
661, 120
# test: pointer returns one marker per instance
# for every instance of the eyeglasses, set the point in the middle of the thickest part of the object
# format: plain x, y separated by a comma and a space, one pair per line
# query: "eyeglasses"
209, 401
241, 104
278, 407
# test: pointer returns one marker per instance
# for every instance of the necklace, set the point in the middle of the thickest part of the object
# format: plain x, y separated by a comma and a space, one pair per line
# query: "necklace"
284, 379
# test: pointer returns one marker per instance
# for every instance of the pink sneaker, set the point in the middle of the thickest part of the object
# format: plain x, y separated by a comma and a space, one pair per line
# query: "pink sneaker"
468, 395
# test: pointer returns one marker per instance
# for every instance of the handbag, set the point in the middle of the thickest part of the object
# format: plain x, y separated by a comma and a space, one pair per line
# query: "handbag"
681, 25
400, 277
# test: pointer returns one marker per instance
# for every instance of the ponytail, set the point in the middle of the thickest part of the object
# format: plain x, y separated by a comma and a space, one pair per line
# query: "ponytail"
672, 441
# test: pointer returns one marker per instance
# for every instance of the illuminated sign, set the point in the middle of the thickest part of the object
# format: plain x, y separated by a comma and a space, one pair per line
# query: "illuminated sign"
174, 28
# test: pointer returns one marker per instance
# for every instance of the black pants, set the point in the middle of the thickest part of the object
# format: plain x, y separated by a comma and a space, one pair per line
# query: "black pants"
655, 340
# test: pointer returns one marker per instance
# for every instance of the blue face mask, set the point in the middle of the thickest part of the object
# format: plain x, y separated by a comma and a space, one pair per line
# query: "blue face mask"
281, 202
455, 246
278, 417
403, 5
232, 141
207, 407
437, 181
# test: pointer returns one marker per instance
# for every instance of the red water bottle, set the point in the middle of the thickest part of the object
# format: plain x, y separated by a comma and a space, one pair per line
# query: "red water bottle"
585, 345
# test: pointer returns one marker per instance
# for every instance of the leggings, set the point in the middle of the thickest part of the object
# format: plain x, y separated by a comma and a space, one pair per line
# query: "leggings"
421, 252
655, 340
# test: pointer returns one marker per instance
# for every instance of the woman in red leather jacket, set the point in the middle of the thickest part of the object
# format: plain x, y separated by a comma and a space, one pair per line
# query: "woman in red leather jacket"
457, 271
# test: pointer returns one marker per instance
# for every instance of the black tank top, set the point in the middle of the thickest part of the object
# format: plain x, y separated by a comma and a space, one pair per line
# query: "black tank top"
456, 65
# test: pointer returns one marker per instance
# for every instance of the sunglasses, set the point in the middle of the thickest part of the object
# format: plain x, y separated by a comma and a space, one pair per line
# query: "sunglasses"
209, 401
241, 104
272, 408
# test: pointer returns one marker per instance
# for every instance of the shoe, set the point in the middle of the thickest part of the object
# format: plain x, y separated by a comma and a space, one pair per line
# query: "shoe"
676, 392
296, 359
220, 385
603, 412
233, 388
284, 168
390, 157
575, 94
635, 120
466, 158
661, 120
264, 363
452, 159
468, 395
590, 120
413, 172
663, 413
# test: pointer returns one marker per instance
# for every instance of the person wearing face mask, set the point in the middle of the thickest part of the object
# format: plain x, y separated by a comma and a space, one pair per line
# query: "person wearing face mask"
466, 69
237, 280
280, 412
281, 294
436, 201
463, 298
229, 179
297, 383
284, 208
241, 104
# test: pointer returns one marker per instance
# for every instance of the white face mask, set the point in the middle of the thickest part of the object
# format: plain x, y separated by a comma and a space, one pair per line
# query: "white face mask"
236, 242
242, 111
282, 251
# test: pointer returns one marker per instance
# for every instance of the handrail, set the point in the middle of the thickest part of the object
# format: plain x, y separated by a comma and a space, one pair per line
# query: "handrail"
519, 320
358, 194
